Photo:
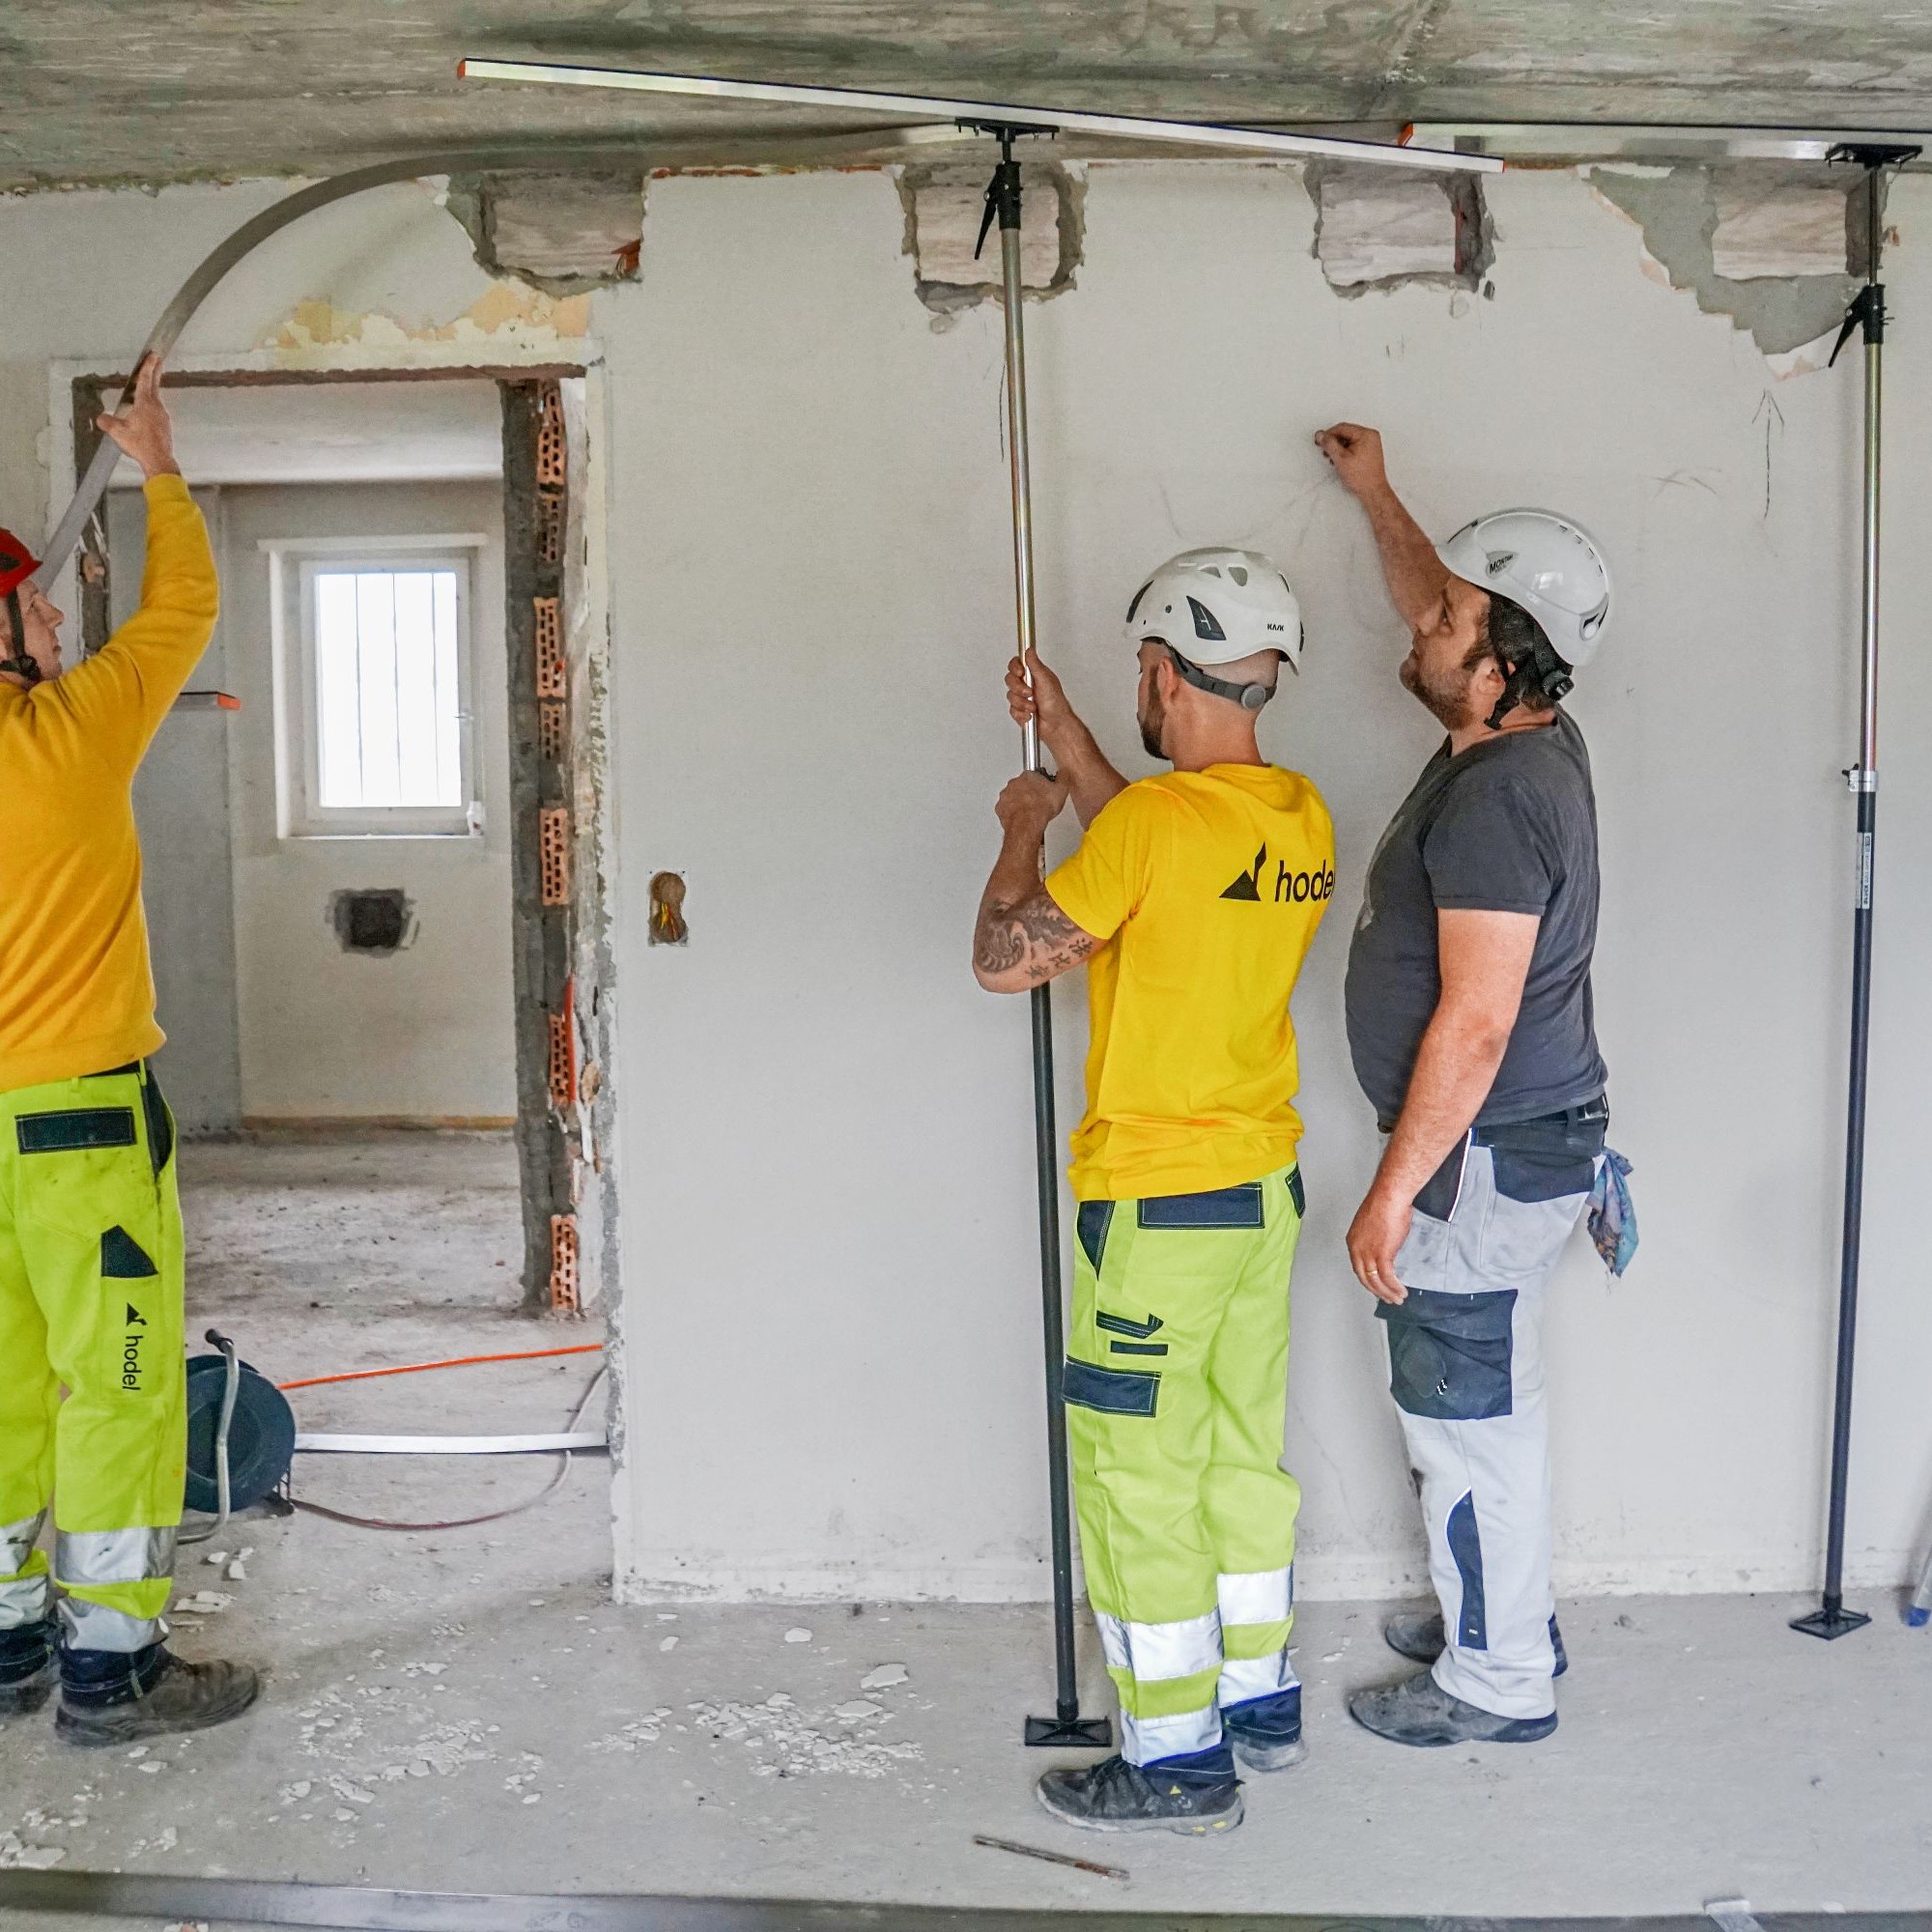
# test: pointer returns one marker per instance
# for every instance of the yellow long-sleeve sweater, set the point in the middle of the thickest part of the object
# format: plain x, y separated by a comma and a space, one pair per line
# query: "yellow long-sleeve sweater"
77, 990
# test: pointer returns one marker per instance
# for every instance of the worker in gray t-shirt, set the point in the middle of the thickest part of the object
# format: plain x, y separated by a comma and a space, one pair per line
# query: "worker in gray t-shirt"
1470, 1024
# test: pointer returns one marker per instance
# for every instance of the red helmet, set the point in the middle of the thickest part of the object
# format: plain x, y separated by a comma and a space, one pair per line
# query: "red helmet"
17, 562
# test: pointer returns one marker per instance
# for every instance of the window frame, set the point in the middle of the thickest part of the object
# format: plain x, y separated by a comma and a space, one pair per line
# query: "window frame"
294, 563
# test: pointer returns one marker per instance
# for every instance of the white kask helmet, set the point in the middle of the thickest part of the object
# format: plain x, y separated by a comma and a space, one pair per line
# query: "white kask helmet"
1216, 605
1548, 564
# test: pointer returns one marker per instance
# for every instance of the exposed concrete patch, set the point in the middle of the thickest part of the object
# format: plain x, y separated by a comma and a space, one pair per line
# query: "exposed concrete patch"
565, 234
1766, 234
1376, 229
1754, 244
507, 315
943, 209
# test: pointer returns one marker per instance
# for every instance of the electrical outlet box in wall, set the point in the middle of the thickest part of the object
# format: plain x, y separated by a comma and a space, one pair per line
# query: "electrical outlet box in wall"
376, 922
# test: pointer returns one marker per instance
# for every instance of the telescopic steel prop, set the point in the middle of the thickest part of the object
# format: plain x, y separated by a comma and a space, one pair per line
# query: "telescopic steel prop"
1067, 1727
1832, 1619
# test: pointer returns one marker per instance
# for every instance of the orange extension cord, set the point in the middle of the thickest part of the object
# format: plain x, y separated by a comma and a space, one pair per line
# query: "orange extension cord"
455, 1362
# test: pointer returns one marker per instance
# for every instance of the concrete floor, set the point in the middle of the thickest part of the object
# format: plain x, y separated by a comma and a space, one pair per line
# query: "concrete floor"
466, 1710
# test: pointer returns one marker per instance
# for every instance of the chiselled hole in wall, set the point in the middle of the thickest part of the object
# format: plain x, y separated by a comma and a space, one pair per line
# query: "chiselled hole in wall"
561, 233
1783, 229
376, 921
1379, 228
943, 210
1773, 245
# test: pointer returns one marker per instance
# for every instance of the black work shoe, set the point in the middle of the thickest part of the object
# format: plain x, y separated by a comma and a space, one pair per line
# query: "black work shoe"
148, 1694
1418, 1711
1418, 1634
1266, 1732
1115, 1796
29, 1669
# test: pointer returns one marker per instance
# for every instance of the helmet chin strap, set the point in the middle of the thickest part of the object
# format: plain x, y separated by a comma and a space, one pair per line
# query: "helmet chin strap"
21, 666
1540, 670
1249, 697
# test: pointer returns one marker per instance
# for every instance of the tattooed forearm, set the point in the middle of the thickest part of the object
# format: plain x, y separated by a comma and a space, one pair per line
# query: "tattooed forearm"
1017, 946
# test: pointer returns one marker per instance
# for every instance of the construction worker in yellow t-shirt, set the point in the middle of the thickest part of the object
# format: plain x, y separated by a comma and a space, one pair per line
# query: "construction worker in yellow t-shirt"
90, 1219
1192, 900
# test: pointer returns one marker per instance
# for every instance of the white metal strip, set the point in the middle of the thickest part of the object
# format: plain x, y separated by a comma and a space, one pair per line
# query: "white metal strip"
1118, 126
452, 1445
1540, 140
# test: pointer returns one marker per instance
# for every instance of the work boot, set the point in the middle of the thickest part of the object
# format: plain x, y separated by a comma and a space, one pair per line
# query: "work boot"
1418, 1711
1418, 1634
29, 1669
1197, 1795
1265, 1732
108, 1698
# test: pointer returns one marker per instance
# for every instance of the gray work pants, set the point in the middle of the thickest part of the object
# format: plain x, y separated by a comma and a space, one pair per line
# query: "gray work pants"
1465, 1368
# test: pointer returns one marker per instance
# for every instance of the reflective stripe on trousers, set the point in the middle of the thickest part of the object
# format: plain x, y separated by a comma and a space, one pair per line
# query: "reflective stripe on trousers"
92, 1566
1257, 1613
23, 1572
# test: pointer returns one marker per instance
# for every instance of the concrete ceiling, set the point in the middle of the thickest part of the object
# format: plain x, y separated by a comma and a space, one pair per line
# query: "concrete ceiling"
335, 433
167, 90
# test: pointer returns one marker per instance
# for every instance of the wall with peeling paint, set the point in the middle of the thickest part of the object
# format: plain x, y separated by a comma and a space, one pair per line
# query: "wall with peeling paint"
834, 1313
833, 1383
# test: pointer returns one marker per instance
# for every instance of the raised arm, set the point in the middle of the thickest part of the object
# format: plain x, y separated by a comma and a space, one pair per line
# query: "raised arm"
1414, 573
120, 694
1483, 959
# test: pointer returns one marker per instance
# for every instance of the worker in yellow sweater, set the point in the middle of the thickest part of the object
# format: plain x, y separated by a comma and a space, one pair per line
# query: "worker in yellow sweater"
90, 1217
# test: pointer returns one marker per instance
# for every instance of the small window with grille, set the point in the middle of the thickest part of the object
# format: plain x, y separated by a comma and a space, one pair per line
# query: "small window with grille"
373, 690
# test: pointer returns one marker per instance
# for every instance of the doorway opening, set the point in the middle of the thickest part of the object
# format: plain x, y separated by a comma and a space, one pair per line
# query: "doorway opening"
376, 898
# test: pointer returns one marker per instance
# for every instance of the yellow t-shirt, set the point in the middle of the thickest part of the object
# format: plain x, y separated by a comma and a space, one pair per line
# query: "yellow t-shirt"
1207, 888
76, 992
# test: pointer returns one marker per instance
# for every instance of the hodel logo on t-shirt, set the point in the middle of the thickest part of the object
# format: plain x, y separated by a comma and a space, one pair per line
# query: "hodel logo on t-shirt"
1290, 888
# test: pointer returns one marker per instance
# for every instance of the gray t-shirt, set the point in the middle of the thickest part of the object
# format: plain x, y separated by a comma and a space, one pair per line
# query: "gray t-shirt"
1508, 826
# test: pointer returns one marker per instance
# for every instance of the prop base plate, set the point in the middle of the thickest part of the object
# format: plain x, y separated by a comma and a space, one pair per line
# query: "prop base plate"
1070, 1733
1830, 1623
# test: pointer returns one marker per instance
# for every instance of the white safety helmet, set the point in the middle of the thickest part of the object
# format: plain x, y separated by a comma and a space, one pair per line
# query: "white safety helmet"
1214, 607
1547, 564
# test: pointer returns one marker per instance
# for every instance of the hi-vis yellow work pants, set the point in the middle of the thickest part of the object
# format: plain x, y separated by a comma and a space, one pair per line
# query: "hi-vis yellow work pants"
91, 1300
1177, 1400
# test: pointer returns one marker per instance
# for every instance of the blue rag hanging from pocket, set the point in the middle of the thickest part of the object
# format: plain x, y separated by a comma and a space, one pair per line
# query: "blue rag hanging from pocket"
1614, 1213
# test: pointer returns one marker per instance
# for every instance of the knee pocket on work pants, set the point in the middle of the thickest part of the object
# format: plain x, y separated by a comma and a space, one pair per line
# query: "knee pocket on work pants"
100, 1247
1450, 1355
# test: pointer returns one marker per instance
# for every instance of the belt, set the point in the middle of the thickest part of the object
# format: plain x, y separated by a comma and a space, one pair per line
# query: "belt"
1586, 1114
